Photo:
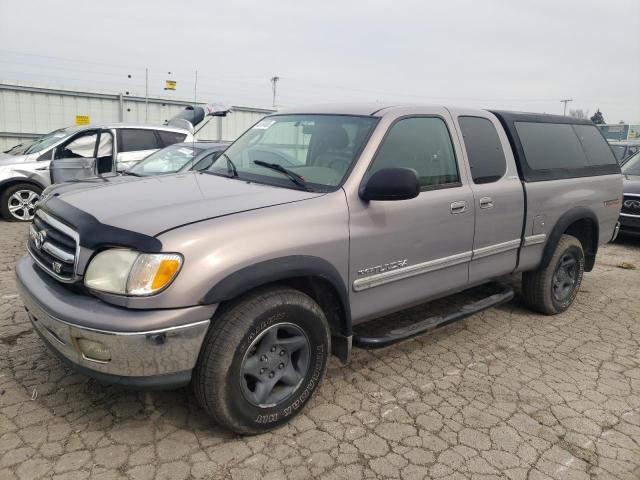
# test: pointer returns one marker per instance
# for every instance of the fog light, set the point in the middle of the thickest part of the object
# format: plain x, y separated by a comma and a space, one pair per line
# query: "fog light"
93, 350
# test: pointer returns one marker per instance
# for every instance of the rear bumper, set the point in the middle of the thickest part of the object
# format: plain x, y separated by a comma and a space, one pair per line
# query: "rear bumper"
150, 358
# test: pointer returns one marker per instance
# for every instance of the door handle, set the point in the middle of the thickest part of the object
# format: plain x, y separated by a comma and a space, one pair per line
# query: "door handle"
486, 202
458, 207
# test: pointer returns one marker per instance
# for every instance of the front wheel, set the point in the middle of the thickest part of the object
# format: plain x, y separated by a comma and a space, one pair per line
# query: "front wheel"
553, 289
18, 202
262, 359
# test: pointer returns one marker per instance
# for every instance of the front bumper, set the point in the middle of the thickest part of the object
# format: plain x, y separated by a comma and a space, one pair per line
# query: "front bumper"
630, 225
146, 358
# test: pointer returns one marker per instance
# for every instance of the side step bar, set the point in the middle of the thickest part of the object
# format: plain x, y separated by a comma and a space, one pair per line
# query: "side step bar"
504, 294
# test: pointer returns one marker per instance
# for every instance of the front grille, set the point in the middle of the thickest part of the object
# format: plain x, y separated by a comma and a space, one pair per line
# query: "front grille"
631, 205
53, 246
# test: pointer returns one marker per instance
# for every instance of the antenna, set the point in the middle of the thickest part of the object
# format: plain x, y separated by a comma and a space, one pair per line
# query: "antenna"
274, 81
146, 95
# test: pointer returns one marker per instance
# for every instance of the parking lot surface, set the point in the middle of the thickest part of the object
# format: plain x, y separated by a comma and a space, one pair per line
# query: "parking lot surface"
504, 394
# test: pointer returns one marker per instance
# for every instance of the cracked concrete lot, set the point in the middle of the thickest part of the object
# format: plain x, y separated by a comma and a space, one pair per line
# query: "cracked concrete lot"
504, 394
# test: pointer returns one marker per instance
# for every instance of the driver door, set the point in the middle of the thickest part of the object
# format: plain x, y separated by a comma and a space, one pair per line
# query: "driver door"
85, 155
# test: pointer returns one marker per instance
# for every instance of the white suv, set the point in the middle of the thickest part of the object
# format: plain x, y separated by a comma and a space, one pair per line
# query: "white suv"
79, 152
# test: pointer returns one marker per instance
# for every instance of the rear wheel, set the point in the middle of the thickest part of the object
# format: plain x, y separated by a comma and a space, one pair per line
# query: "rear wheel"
262, 359
18, 202
553, 289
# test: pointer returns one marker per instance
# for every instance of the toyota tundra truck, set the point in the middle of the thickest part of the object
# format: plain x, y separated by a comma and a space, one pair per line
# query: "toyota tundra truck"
244, 278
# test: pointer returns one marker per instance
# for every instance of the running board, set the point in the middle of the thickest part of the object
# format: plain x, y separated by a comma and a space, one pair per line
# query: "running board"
504, 294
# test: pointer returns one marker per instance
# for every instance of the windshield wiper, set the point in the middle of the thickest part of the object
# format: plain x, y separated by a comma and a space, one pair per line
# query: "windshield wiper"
293, 176
127, 172
231, 167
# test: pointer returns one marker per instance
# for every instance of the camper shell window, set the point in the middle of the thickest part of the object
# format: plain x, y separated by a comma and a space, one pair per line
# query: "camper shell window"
552, 147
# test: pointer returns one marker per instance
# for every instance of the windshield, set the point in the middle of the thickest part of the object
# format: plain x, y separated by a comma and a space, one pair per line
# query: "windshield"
318, 148
632, 166
167, 160
47, 140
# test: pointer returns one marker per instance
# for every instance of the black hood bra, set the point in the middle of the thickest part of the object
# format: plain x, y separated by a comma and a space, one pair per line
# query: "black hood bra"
94, 234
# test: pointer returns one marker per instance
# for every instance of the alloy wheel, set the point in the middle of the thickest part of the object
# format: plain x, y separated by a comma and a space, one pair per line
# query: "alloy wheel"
275, 365
22, 204
565, 277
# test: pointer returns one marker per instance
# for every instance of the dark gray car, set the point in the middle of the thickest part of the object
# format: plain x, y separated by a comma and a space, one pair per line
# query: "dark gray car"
630, 214
180, 157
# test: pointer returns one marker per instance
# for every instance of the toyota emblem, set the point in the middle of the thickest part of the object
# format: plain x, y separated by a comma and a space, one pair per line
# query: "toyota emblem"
39, 238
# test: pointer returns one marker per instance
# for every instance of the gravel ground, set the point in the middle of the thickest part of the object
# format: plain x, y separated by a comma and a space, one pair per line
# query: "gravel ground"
503, 394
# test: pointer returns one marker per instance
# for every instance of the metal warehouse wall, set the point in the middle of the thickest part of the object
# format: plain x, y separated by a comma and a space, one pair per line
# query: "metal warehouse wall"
28, 111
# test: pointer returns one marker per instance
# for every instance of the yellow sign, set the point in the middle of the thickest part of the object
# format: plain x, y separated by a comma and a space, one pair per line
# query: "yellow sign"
82, 120
169, 85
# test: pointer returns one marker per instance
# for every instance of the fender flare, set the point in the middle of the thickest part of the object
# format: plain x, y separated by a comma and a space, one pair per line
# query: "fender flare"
279, 269
568, 218
12, 180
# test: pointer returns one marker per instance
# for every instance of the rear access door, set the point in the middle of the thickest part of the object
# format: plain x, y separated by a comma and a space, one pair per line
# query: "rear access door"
497, 191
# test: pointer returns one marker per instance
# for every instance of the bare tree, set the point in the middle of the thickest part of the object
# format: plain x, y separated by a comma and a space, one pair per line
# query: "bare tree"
579, 113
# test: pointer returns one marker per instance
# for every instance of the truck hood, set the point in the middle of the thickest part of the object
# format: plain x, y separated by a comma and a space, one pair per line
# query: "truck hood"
152, 205
631, 184
94, 182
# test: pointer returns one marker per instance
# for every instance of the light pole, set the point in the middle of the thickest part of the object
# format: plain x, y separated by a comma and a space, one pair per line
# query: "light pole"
274, 81
565, 101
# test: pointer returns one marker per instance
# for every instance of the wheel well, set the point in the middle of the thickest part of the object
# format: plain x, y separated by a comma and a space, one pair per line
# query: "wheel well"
16, 181
586, 231
326, 296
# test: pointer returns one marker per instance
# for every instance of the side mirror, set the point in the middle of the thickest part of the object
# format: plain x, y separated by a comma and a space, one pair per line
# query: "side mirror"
391, 184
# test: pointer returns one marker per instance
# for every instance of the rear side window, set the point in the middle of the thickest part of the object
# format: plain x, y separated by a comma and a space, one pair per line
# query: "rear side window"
595, 146
132, 140
169, 138
423, 144
484, 149
550, 146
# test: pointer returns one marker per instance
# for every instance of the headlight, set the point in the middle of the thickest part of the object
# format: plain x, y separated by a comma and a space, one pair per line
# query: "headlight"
127, 272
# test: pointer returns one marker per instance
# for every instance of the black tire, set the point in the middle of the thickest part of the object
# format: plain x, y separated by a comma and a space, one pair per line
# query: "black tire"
10, 198
550, 291
222, 386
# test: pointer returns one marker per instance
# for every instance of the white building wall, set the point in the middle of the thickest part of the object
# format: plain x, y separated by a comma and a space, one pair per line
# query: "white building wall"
27, 111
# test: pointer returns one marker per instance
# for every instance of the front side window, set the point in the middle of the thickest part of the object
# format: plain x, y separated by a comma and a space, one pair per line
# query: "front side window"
104, 163
167, 160
484, 149
318, 148
137, 139
83, 146
422, 144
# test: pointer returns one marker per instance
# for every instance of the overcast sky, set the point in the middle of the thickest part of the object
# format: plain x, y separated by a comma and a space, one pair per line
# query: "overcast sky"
516, 54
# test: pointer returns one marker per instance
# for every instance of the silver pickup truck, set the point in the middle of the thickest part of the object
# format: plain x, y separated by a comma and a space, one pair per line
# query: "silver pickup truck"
244, 278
